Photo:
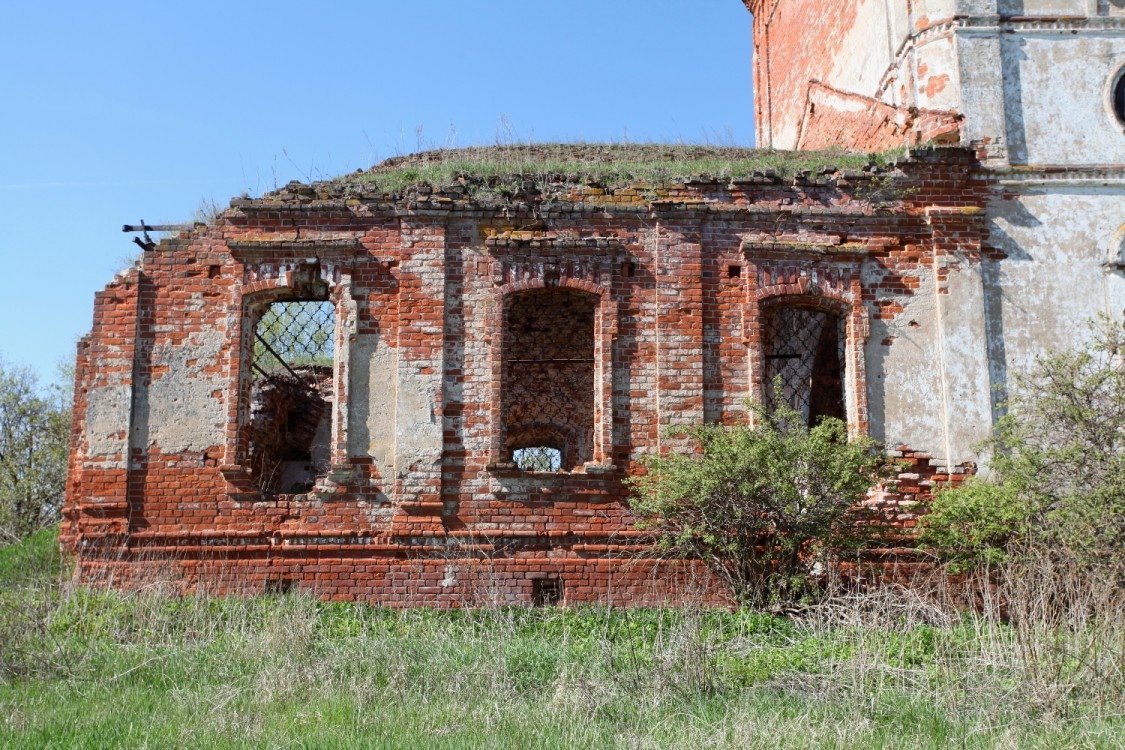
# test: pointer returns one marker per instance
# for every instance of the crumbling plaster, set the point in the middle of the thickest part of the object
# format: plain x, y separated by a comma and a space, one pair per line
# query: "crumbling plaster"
106, 427
1055, 277
183, 406
1031, 80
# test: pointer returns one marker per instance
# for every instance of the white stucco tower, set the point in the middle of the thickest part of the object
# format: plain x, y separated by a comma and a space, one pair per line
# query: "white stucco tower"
1037, 89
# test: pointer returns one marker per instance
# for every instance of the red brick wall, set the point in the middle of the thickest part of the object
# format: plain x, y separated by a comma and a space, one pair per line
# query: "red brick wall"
676, 288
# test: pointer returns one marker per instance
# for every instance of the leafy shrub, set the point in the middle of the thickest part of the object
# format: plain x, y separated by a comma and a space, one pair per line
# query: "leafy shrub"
976, 523
1058, 465
763, 506
34, 434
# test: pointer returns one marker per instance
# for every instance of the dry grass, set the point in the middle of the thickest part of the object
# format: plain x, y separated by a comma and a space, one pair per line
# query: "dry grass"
509, 168
1039, 666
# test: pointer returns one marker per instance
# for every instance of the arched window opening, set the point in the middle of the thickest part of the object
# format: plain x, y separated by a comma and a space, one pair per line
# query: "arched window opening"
548, 382
291, 394
803, 352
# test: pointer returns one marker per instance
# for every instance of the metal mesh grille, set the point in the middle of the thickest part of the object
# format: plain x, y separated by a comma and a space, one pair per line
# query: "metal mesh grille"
804, 349
294, 333
538, 458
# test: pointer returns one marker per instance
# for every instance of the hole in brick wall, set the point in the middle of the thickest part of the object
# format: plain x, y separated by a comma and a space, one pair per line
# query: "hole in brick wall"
803, 350
291, 394
733, 272
537, 458
546, 592
213, 272
279, 586
548, 384
628, 269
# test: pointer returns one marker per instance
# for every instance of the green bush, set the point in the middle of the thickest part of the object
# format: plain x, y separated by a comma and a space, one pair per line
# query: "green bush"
763, 506
1057, 471
34, 434
976, 523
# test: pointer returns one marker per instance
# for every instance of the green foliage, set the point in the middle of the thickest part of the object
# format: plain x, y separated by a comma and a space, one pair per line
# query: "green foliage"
1058, 465
974, 524
763, 506
35, 557
613, 165
34, 439
92, 668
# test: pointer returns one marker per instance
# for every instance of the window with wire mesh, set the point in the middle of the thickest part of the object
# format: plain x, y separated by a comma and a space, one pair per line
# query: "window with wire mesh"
803, 351
294, 333
537, 458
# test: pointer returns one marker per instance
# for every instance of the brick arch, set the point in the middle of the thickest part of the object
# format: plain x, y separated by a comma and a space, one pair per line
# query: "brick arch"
562, 282
831, 304
821, 286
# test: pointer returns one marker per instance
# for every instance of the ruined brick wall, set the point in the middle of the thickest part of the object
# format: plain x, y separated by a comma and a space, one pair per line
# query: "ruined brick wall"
629, 310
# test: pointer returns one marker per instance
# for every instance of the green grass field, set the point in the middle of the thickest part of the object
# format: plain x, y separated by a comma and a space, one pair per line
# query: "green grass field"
83, 668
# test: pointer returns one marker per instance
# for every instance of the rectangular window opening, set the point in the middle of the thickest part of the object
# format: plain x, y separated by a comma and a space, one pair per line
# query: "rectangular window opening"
548, 385
292, 393
537, 458
803, 352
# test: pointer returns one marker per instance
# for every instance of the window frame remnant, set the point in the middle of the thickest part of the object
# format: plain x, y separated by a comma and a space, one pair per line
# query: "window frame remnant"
538, 458
271, 278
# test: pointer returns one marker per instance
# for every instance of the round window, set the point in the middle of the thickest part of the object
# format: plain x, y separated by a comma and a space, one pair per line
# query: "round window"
1118, 94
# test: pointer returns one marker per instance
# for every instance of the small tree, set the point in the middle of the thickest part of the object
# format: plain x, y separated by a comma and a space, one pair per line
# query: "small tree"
764, 507
34, 431
1058, 465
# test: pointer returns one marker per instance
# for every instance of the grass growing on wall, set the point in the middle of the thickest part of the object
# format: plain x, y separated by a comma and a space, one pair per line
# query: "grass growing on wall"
82, 668
609, 165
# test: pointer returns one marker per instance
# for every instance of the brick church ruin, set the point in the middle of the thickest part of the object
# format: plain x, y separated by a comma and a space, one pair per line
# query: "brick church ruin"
415, 393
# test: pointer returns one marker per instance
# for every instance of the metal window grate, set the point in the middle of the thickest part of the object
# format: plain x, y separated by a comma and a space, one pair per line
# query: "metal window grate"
292, 334
804, 349
537, 458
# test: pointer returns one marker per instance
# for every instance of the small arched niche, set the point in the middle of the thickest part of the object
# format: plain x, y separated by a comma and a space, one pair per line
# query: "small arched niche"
1116, 95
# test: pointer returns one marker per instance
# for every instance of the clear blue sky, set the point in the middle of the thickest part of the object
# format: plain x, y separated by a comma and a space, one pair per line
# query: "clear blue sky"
116, 112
